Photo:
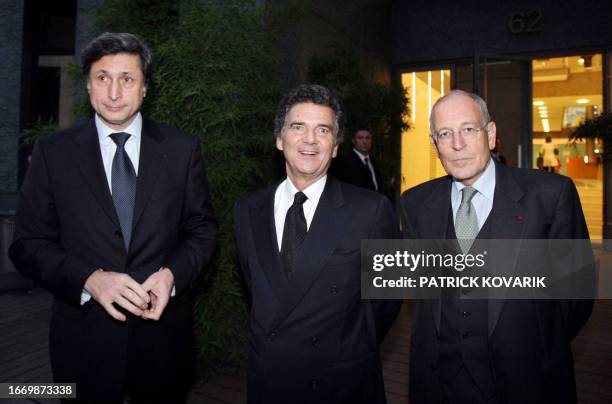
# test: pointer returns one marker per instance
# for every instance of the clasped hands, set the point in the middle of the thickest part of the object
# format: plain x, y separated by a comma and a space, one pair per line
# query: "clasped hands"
107, 288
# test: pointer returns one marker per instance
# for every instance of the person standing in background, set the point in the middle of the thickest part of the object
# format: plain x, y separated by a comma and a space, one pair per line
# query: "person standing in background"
357, 166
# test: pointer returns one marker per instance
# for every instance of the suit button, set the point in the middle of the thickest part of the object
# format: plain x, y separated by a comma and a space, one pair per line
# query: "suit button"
271, 336
314, 384
118, 233
465, 335
334, 289
465, 313
315, 341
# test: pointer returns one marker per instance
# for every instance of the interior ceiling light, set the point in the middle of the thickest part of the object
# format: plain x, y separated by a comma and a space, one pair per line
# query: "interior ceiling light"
582, 101
538, 103
581, 61
543, 108
543, 115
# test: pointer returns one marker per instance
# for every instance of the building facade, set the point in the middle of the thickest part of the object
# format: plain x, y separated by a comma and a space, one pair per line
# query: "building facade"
542, 66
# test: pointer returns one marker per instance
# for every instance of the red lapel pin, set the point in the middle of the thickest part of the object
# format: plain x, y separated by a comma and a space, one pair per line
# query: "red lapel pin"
519, 218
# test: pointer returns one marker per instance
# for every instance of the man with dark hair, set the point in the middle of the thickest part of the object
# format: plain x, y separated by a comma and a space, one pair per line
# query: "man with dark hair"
313, 339
466, 350
115, 220
357, 167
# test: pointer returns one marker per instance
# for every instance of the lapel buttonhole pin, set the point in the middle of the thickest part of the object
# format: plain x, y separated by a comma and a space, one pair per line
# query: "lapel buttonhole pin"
519, 218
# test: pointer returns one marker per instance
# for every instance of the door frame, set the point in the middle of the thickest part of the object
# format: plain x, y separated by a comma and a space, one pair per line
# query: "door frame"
526, 138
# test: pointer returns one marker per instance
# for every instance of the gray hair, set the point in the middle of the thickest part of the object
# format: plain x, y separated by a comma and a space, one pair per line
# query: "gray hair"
484, 111
315, 94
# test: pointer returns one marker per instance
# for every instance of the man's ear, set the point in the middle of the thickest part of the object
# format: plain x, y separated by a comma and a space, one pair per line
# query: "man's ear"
279, 142
335, 151
491, 134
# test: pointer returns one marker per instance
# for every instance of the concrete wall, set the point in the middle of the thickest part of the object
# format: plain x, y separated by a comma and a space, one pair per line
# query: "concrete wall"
11, 30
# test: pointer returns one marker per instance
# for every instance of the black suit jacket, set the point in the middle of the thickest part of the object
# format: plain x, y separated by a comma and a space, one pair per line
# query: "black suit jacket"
528, 340
66, 228
313, 339
350, 169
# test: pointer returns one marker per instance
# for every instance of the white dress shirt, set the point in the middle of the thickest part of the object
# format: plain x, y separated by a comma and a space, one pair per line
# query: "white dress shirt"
482, 200
283, 199
108, 146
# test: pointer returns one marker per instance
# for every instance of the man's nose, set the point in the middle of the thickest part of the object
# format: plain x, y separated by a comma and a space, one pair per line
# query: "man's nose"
310, 136
114, 90
458, 142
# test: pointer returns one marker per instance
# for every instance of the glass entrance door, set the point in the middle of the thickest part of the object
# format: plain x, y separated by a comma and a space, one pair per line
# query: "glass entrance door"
566, 91
504, 82
529, 100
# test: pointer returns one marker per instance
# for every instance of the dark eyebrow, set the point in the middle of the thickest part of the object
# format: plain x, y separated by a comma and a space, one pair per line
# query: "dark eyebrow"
106, 72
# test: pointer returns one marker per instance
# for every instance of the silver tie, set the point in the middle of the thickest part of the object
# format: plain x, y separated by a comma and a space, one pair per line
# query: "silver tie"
466, 222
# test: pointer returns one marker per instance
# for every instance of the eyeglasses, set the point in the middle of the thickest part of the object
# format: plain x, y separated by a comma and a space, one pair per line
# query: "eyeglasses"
467, 133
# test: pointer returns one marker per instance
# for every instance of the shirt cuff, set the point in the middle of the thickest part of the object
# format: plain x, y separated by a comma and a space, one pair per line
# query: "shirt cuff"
85, 297
173, 293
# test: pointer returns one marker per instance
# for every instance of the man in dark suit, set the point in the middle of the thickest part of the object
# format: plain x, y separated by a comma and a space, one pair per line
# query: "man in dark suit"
357, 166
115, 220
490, 351
313, 339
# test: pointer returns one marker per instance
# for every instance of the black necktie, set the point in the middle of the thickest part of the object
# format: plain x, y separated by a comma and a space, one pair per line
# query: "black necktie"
366, 161
294, 232
123, 186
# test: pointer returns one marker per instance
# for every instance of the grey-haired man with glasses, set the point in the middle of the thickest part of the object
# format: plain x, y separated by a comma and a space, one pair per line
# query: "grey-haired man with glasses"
490, 351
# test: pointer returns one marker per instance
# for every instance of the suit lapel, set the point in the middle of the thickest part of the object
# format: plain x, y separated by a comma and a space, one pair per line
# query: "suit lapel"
365, 170
152, 162
326, 229
433, 224
266, 242
88, 159
508, 222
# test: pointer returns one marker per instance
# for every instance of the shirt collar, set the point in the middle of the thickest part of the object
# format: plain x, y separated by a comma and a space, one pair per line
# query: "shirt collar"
361, 155
485, 184
104, 132
313, 191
